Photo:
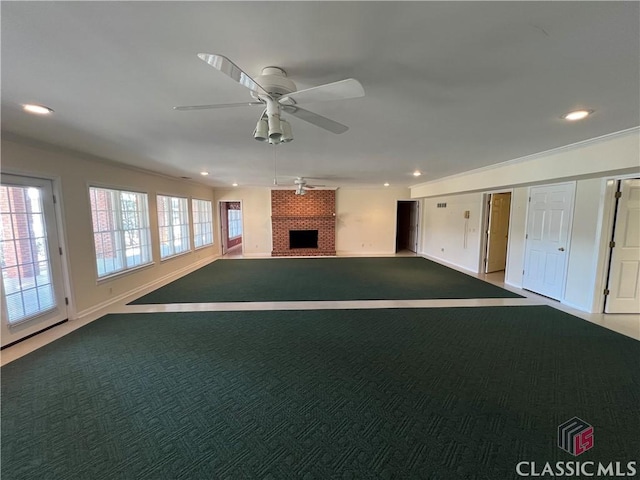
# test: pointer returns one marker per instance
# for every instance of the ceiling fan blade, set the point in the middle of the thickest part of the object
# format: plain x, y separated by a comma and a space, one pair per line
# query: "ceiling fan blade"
218, 105
230, 69
349, 88
315, 119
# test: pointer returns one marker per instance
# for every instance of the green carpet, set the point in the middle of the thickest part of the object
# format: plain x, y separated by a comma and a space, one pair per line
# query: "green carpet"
292, 279
457, 393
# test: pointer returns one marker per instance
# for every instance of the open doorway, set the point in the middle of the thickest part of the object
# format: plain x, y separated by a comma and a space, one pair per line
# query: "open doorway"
407, 226
231, 227
497, 232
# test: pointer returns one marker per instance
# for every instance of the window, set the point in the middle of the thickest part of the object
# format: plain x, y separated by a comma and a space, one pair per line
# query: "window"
25, 254
234, 220
121, 233
173, 224
202, 222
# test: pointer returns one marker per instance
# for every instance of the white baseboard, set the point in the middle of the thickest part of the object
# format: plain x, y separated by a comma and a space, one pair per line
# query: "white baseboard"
347, 253
88, 315
514, 285
576, 307
102, 308
339, 253
446, 263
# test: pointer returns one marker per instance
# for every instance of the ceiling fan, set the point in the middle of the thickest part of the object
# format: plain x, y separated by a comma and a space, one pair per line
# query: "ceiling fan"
277, 93
302, 186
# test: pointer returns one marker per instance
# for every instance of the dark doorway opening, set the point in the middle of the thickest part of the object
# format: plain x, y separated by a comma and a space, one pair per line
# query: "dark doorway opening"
407, 226
303, 239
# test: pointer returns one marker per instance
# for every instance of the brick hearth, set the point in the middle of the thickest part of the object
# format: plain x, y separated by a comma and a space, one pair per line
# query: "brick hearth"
313, 211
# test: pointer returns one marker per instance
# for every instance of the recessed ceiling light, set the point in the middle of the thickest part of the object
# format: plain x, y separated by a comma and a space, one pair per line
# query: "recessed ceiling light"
577, 115
386, 184
204, 173
39, 109
417, 173
234, 184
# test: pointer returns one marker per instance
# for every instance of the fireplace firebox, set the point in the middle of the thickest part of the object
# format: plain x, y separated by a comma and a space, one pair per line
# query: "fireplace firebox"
303, 239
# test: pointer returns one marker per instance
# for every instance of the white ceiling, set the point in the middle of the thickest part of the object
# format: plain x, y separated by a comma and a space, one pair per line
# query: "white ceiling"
450, 86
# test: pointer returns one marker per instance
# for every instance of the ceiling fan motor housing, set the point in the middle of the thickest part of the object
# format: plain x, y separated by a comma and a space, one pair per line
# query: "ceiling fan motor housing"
274, 80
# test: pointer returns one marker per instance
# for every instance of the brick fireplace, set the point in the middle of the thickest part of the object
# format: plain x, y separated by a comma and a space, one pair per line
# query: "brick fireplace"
303, 213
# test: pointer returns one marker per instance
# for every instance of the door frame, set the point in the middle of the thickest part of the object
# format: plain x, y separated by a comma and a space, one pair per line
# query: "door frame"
486, 198
606, 230
60, 222
223, 241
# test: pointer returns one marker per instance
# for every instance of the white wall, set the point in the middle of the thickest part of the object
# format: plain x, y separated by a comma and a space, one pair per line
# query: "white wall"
591, 164
584, 246
584, 266
618, 154
448, 236
443, 230
73, 174
366, 220
256, 218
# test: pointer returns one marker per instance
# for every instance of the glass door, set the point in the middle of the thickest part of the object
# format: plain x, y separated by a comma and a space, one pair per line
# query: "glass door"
33, 296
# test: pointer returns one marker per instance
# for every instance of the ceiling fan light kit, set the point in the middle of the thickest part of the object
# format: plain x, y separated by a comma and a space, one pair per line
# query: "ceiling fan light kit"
287, 134
277, 93
263, 132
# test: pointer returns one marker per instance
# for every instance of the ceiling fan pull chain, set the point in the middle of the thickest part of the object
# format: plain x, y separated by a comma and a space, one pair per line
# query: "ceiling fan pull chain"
275, 167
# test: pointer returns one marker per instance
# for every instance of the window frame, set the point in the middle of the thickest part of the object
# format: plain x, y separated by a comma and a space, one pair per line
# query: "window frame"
211, 223
188, 227
145, 210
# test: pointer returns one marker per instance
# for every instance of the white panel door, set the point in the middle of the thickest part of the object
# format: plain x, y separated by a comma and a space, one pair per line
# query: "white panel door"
32, 287
624, 273
547, 241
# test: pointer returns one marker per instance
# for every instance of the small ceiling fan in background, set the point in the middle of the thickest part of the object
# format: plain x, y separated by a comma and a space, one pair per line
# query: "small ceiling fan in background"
277, 93
302, 186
